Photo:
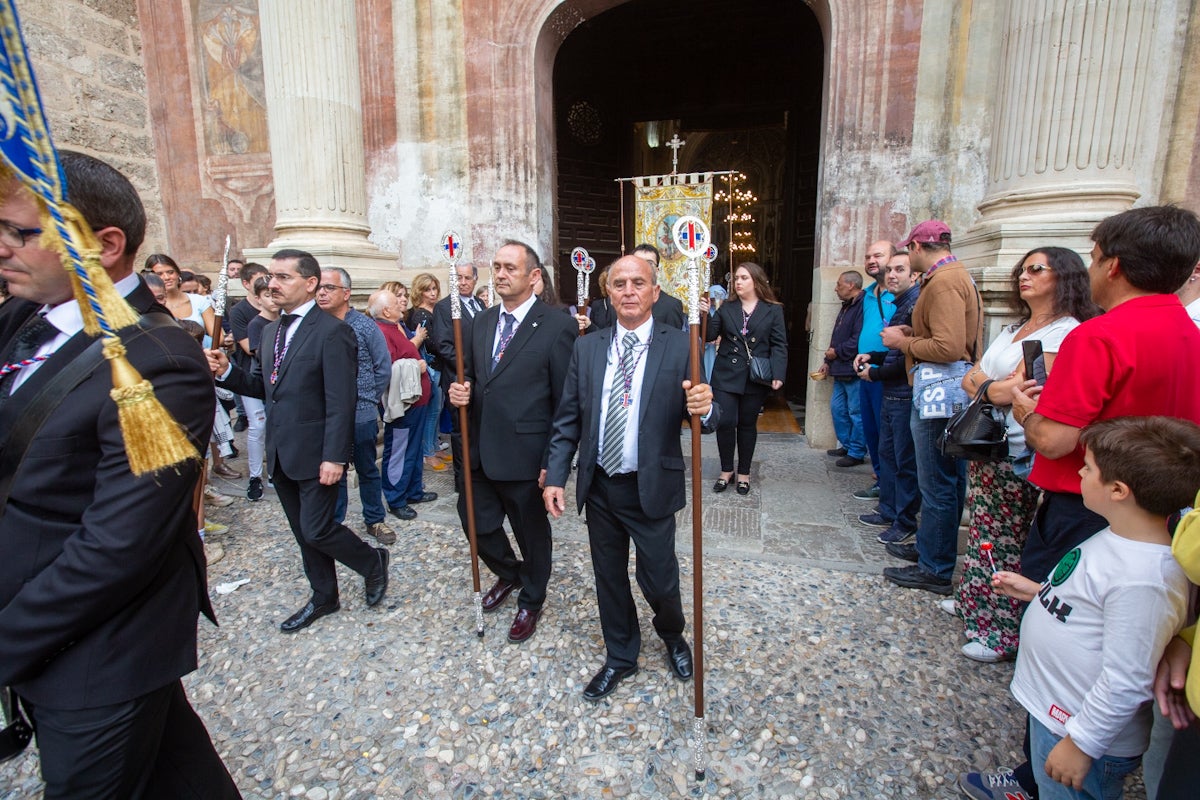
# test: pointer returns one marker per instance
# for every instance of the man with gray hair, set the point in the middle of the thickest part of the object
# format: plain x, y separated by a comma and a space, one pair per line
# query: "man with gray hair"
839, 364
374, 370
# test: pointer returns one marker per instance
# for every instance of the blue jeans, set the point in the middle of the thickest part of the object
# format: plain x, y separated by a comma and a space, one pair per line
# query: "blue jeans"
870, 402
943, 483
899, 495
433, 411
847, 422
369, 489
403, 473
1104, 781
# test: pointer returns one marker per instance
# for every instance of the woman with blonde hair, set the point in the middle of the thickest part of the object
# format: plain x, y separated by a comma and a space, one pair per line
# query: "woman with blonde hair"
425, 293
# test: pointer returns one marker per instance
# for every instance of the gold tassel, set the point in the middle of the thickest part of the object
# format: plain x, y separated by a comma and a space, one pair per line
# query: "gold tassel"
153, 439
117, 312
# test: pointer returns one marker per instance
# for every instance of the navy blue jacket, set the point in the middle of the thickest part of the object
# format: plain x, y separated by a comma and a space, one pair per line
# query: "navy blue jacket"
844, 340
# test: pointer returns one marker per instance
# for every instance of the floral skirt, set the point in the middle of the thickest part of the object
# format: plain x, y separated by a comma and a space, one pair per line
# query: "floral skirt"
1001, 508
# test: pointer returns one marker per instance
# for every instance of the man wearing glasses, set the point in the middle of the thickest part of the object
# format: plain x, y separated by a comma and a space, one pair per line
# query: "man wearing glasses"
374, 370
305, 372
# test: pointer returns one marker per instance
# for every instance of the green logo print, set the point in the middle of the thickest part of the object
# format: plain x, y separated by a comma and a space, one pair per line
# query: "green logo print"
1065, 567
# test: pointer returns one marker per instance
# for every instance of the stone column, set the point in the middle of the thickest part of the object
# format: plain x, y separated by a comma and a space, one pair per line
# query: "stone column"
314, 112
1078, 104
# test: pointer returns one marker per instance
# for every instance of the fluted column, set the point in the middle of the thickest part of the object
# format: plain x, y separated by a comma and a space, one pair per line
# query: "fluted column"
1079, 101
314, 112
1071, 107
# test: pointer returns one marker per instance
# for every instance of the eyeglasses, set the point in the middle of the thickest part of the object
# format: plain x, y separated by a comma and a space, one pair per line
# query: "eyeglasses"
15, 237
1036, 269
330, 287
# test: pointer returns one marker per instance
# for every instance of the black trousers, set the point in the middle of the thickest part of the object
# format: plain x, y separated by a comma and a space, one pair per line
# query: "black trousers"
153, 746
1181, 772
521, 502
309, 507
614, 517
456, 450
739, 425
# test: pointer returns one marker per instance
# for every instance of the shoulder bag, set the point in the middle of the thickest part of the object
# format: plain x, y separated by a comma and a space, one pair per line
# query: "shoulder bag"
760, 367
979, 432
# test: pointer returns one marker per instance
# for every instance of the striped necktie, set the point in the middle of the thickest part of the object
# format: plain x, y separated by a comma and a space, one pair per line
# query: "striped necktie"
618, 409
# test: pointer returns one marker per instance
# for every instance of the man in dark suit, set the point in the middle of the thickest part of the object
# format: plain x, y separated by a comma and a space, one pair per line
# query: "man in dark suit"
622, 403
443, 344
306, 373
102, 573
515, 368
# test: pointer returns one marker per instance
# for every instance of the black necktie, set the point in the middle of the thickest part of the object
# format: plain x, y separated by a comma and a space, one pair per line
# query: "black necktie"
281, 343
471, 309
30, 338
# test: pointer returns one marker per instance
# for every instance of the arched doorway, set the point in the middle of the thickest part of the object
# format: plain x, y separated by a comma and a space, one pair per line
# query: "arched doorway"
741, 84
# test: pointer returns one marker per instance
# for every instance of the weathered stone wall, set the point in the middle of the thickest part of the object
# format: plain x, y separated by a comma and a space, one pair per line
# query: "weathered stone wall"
88, 58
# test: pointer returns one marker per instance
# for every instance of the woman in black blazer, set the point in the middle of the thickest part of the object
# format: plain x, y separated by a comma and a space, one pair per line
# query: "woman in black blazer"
750, 323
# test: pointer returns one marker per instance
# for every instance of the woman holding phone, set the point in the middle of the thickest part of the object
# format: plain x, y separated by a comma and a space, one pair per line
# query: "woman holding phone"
1052, 293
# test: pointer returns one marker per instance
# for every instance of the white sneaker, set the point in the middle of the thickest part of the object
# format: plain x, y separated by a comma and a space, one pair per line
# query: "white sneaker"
947, 605
981, 652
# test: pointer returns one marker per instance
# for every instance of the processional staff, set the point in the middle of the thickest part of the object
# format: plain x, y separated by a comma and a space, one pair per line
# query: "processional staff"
709, 256
451, 248
584, 264
220, 296
691, 237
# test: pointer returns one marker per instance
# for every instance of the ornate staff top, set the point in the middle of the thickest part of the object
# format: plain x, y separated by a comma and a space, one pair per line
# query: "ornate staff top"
221, 292
451, 250
691, 237
584, 264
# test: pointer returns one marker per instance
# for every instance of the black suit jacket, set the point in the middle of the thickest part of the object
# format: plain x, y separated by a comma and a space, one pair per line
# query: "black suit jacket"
443, 338
668, 310
662, 405
310, 409
766, 337
102, 574
513, 405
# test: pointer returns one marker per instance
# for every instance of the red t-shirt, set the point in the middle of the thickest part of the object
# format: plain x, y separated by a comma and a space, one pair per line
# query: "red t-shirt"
400, 347
1138, 360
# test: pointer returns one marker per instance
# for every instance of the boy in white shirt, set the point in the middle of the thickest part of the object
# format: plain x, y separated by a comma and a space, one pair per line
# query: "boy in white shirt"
1090, 644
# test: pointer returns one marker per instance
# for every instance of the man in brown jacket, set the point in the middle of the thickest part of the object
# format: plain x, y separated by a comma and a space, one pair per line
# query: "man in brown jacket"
946, 327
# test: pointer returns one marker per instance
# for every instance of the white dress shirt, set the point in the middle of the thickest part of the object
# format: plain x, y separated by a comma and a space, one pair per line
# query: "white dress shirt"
629, 452
68, 319
519, 313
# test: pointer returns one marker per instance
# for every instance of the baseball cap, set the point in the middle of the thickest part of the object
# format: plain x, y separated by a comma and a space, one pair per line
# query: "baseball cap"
928, 232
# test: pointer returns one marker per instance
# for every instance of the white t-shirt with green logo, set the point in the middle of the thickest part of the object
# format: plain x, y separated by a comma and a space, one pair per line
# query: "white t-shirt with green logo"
1092, 638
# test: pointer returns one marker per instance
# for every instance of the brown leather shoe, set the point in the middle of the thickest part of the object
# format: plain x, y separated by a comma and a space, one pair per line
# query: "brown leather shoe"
524, 625
382, 532
496, 596
225, 471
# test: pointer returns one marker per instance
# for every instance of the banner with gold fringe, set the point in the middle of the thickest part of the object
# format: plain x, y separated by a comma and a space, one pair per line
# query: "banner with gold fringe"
153, 439
659, 201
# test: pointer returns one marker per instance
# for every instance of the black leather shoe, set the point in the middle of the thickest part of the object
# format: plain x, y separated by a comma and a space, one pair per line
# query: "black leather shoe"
837, 451
308, 615
377, 581
721, 485
743, 488
424, 497
606, 680
403, 512
496, 596
679, 658
908, 552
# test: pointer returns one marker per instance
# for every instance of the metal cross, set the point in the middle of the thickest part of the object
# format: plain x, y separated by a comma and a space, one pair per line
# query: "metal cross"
675, 144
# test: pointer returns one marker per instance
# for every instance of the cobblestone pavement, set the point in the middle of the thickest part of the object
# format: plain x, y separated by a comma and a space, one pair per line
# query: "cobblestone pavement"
821, 680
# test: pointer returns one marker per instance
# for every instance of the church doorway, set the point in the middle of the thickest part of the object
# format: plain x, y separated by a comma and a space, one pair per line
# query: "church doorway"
742, 85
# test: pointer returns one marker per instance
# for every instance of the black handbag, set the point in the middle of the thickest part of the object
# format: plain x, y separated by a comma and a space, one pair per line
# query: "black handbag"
978, 432
760, 368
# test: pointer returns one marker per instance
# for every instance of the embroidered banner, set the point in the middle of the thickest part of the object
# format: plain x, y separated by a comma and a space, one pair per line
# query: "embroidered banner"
658, 204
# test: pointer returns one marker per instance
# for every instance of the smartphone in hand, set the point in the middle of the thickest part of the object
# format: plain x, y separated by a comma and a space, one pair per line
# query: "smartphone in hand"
1035, 361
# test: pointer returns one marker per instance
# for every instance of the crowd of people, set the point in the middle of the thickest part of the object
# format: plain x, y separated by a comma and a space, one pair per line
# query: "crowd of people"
1068, 562
1070, 566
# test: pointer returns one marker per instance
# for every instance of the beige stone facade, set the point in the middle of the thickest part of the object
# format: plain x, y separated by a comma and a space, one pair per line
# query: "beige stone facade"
1019, 123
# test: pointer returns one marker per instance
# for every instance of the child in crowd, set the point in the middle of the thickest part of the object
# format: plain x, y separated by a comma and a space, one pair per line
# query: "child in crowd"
1091, 641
